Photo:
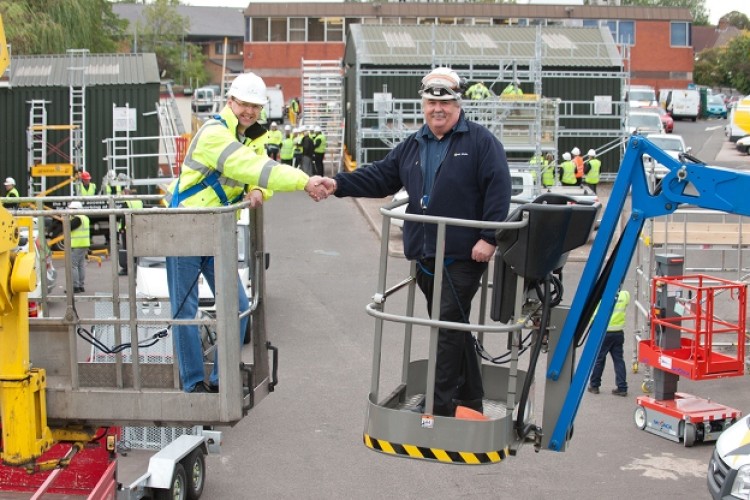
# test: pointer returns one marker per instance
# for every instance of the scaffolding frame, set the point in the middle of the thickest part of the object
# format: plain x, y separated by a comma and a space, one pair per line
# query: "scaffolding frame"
527, 125
322, 105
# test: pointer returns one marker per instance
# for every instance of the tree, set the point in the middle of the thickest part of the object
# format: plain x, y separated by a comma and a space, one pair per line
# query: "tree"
697, 7
52, 27
736, 63
708, 69
163, 32
736, 19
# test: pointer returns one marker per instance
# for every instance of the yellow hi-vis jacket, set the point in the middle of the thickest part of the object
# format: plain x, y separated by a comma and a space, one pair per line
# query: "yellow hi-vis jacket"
80, 237
617, 320
592, 177
568, 176
215, 148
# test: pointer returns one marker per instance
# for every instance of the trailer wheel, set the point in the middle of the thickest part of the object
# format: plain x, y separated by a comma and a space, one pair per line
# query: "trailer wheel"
177, 488
195, 466
689, 437
639, 417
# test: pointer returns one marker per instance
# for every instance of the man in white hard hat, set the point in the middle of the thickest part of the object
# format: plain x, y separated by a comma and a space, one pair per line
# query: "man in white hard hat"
578, 162
567, 170
226, 162
10, 188
591, 169
451, 167
273, 141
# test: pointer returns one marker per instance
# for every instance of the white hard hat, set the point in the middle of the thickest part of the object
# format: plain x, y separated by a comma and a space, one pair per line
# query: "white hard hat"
591, 153
566, 156
287, 127
249, 87
75, 204
274, 124
295, 130
318, 129
441, 84
575, 151
10, 180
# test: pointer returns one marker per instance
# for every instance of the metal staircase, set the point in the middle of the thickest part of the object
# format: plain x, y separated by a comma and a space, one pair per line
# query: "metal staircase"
322, 98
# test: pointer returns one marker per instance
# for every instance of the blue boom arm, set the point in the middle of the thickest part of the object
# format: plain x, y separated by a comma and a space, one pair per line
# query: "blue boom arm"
686, 183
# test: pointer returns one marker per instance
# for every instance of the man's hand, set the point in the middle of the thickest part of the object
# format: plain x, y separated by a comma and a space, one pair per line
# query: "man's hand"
255, 197
482, 251
316, 189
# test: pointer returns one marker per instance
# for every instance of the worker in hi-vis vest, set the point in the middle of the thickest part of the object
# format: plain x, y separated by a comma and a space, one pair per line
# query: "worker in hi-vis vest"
225, 164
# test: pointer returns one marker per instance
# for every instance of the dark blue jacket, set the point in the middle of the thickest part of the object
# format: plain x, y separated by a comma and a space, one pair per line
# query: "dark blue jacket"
472, 182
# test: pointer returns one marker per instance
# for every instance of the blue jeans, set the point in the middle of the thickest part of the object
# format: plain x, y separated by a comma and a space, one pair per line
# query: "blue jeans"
182, 274
612, 344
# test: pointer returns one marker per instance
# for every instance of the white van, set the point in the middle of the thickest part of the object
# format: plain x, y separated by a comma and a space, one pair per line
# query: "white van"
739, 120
640, 96
275, 109
729, 466
684, 103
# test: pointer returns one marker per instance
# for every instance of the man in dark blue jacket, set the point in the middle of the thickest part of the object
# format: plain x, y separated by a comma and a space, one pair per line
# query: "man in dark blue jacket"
455, 168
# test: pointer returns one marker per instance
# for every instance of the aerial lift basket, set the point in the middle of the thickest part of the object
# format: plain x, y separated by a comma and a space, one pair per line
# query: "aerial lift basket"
701, 303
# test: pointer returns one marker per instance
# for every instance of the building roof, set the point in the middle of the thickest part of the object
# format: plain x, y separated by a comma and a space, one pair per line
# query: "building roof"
709, 37
413, 45
463, 10
100, 69
202, 21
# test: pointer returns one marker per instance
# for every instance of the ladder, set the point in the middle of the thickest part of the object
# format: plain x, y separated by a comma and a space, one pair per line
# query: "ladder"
169, 132
78, 62
118, 147
322, 98
173, 112
36, 144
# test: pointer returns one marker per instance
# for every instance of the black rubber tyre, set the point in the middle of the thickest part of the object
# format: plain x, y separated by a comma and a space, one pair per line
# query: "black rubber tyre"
177, 489
195, 468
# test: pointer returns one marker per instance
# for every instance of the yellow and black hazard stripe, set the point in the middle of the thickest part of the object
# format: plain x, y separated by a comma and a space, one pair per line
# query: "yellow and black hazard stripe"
451, 457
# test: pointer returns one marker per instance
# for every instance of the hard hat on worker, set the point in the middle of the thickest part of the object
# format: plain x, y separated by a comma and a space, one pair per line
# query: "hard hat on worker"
274, 124
575, 151
566, 156
10, 180
591, 153
250, 88
85, 176
318, 128
441, 84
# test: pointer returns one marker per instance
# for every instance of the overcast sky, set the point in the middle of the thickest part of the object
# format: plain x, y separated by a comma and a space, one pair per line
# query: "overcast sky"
717, 8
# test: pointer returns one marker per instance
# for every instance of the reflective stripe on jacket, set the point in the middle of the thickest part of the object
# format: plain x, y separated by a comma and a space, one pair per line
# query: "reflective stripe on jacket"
321, 142
216, 148
80, 237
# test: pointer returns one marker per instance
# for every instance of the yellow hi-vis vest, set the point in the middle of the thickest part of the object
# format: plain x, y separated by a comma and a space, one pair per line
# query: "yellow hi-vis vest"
87, 191
617, 321
568, 173
548, 174
215, 148
274, 137
287, 148
321, 142
80, 237
593, 176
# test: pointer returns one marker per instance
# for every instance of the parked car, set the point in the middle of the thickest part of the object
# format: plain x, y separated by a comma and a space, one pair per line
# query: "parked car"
666, 120
743, 144
729, 467
639, 96
643, 124
672, 144
715, 107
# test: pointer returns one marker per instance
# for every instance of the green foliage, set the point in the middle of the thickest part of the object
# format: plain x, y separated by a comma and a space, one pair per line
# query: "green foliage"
737, 19
54, 26
736, 63
163, 32
697, 7
726, 66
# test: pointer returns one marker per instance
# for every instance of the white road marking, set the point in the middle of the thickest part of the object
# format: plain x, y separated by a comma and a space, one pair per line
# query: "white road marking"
716, 127
667, 466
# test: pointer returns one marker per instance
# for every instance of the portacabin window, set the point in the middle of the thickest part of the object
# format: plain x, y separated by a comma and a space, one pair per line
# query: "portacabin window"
622, 31
679, 34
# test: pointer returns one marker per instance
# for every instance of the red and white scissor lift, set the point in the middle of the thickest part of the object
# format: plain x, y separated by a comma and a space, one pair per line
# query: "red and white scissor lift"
682, 343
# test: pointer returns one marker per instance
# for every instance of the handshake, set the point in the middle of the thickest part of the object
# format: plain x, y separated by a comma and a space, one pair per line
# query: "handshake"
320, 188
